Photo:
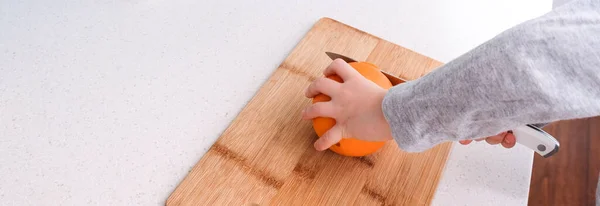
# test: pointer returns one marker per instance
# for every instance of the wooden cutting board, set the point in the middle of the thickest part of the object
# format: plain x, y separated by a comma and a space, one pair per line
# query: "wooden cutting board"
266, 157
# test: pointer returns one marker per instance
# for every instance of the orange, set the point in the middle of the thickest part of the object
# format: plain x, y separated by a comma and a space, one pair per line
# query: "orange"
349, 146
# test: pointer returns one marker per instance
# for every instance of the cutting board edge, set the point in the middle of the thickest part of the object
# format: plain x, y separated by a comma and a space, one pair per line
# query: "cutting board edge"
326, 18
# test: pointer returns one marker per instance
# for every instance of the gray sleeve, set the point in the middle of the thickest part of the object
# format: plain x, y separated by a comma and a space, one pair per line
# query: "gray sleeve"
543, 70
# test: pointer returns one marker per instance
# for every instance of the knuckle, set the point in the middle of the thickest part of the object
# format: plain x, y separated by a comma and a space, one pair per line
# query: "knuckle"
312, 85
308, 89
330, 138
347, 93
338, 61
325, 139
343, 133
317, 109
326, 136
318, 83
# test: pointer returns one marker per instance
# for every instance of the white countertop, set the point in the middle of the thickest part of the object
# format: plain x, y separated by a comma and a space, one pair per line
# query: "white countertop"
112, 102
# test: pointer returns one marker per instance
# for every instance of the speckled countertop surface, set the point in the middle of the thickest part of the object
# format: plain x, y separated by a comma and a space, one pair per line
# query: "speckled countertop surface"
112, 102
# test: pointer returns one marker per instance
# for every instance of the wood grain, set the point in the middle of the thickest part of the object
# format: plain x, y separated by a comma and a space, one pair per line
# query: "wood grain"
265, 156
570, 176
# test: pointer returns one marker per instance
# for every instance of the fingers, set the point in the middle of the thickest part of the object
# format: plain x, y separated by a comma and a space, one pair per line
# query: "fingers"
509, 140
342, 69
465, 142
322, 86
319, 109
468, 141
494, 140
332, 136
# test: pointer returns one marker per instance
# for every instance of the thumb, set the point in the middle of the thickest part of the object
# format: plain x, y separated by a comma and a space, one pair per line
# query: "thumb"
331, 137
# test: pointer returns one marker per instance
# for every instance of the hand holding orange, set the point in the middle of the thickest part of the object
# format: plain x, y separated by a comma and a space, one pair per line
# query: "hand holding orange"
346, 110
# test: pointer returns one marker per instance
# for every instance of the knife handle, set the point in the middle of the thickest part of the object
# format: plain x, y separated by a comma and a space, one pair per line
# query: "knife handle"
537, 140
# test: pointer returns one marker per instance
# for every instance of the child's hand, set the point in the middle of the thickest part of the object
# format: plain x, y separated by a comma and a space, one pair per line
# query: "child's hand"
355, 105
507, 139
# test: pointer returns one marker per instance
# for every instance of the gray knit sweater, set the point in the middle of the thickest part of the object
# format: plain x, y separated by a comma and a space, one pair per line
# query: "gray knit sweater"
543, 70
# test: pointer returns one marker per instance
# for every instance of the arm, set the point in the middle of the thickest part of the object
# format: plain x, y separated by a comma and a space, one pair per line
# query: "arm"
543, 70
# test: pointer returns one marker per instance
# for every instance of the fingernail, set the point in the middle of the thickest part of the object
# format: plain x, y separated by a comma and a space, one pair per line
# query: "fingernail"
510, 131
507, 141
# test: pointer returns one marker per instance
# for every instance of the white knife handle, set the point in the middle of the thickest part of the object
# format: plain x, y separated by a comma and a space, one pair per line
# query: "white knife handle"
536, 139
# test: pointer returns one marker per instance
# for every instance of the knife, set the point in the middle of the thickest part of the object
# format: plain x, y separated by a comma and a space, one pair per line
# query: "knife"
528, 135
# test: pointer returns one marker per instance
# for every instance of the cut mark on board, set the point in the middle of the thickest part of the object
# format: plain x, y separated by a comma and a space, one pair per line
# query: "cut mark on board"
373, 195
241, 161
304, 172
365, 160
295, 71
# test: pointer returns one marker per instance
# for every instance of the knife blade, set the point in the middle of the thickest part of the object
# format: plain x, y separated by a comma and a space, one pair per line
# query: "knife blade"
393, 79
529, 135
